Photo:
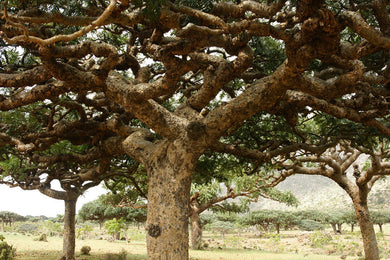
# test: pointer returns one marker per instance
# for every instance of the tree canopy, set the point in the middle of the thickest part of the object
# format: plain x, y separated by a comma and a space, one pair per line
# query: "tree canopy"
165, 82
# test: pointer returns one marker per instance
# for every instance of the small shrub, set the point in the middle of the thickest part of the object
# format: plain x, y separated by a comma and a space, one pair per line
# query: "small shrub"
7, 252
310, 225
85, 250
319, 239
42, 238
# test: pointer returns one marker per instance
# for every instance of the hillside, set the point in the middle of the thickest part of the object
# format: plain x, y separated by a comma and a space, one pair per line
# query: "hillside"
318, 192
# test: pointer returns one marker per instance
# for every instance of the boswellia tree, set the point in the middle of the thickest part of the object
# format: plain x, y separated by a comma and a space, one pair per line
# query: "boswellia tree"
164, 81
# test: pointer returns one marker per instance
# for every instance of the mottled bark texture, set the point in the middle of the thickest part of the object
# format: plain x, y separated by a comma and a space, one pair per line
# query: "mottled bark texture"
169, 180
366, 228
69, 239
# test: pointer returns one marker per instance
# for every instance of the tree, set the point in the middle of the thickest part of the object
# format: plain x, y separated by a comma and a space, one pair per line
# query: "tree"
206, 192
101, 210
115, 227
94, 211
106, 74
350, 218
268, 219
52, 165
8, 218
380, 218
335, 219
334, 163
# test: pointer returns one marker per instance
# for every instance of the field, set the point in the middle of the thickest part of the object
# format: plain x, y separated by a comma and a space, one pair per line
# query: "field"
289, 245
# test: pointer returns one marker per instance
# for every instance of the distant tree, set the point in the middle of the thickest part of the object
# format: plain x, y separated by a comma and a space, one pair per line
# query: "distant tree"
336, 219
8, 218
115, 227
94, 211
59, 218
350, 219
100, 210
52, 228
57, 163
380, 218
221, 226
334, 162
271, 218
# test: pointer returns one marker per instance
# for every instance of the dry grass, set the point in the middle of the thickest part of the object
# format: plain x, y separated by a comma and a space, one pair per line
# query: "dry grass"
29, 249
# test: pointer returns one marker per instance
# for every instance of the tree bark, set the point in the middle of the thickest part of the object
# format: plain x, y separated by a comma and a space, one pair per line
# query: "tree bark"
170, 169
380, 228
367, 229
339, 228
334, 227
69, 239
277, 226
196, 231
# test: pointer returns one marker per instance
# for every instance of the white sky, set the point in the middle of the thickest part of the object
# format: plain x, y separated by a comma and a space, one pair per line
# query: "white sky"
34, 203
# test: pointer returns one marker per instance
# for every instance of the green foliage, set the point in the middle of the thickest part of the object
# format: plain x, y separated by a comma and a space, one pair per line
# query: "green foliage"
269, 54
7, 252
319, 238
28, 228
222, 226
271, 218
81, 232
115, 226
52, 228
310, 225
380, 217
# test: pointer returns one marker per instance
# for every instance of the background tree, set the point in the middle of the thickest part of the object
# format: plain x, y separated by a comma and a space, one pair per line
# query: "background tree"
8, 218
286, 58
334, 163
100, 210
228, 192
380, 218
55, 164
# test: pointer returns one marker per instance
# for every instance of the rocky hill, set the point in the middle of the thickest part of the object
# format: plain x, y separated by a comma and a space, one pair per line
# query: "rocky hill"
318, 192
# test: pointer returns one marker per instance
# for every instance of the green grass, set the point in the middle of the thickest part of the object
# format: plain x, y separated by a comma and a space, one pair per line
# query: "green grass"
29, 249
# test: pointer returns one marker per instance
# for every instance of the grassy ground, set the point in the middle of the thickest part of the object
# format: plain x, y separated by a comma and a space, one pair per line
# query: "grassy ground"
289, 245
30, 249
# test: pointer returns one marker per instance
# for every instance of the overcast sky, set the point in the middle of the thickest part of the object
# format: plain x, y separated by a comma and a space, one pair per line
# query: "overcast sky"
34, 203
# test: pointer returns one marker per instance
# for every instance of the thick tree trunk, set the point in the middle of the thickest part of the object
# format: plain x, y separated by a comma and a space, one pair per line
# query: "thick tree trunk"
69, 240
196, 231
170, 169
352, 227
367, 229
